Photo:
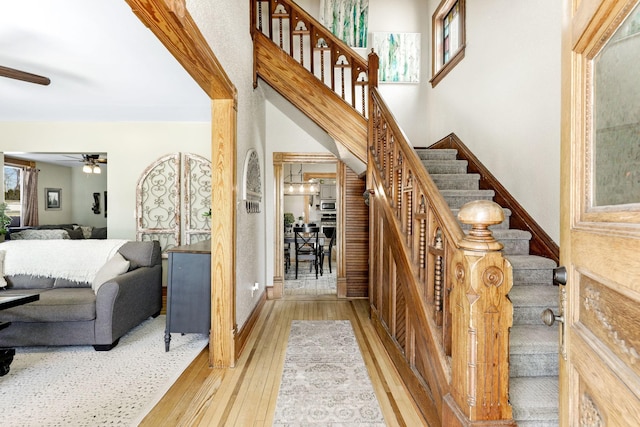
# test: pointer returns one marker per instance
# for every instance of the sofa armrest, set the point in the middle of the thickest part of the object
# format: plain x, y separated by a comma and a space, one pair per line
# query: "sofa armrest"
126, 300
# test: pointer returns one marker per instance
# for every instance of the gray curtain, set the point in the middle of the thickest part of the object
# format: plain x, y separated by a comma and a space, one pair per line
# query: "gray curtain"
30, 197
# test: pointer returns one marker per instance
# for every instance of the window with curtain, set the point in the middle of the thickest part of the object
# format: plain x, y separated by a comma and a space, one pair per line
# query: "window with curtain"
20, 191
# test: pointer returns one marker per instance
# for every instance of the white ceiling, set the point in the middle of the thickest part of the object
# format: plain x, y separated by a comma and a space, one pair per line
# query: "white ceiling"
104, 65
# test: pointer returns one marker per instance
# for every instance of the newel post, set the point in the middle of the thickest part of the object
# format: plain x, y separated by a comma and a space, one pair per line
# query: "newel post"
373, 62
480, 279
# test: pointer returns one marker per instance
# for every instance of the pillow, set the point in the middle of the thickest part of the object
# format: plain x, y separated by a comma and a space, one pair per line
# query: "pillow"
3, 283
112, 268
99, 233
75, 234
86, 231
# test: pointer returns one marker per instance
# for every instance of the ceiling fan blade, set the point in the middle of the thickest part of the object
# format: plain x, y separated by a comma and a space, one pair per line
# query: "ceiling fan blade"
12, 73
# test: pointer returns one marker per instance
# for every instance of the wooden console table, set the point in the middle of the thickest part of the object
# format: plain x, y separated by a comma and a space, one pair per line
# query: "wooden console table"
8, 301
188, 290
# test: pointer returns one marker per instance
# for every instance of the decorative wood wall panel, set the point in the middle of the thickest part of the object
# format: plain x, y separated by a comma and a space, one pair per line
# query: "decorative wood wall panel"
613, 318
357, 237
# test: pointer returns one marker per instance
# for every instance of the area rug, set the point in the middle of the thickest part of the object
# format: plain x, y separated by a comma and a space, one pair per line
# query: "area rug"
78, 386
324, 380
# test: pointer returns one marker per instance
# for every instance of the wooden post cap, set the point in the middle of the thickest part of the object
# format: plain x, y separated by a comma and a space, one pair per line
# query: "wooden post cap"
480, 214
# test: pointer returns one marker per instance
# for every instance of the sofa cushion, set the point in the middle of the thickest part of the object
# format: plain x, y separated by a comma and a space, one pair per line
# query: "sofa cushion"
116, 266
40, 234
66, 283
55, 227
27, 281
75, 234
142, 254
99, 233
86, 230
55, 305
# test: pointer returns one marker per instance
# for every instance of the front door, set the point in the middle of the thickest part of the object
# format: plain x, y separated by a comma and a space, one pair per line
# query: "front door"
600, 226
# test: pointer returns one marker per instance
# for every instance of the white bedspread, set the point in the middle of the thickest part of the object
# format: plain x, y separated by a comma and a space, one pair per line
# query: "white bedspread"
75, 260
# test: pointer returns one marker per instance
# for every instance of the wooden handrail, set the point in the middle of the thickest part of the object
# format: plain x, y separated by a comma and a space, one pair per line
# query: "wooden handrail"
438, 297
305, 40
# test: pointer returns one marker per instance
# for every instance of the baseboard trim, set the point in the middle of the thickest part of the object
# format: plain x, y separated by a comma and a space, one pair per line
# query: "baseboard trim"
242, 336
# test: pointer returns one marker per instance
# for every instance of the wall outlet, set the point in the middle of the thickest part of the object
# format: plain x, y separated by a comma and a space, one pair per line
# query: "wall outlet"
255, 287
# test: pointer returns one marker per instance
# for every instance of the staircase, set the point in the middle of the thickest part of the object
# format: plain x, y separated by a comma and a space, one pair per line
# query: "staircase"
533, 346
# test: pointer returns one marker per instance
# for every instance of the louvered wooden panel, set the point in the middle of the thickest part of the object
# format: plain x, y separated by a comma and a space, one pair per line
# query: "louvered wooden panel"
401, 318
357, 237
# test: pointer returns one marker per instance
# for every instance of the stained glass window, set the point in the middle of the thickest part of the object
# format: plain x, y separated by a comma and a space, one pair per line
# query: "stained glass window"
448, 39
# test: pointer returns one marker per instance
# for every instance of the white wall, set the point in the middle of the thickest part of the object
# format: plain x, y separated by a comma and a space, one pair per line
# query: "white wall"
52, 176
503, 99
83, 186
225, 25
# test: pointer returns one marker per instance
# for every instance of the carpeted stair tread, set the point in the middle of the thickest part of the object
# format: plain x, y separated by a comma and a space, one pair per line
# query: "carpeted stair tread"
534, 295
440, 154
531, 269
534, 339
458, 198
445, 166
516, 242
456, 181
534, 399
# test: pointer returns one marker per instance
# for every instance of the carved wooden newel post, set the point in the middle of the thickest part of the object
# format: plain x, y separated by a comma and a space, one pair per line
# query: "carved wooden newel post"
480, 279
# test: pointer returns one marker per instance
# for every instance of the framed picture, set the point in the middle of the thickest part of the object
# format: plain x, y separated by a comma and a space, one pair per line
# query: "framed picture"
52, 199
399, 55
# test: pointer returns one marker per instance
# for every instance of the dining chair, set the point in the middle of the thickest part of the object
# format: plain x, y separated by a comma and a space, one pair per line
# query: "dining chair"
327, 250
306, 241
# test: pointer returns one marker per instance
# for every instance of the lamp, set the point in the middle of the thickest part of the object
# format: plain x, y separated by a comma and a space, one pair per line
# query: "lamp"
298, 186
96, 169
87, 168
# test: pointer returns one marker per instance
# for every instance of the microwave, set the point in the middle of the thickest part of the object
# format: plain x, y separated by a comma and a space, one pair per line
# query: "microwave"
327, 205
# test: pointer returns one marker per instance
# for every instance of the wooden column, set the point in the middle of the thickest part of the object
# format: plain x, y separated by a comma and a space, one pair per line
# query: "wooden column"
482, 313
223, 233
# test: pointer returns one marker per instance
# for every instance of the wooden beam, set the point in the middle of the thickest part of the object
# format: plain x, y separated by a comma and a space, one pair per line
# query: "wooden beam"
223, 234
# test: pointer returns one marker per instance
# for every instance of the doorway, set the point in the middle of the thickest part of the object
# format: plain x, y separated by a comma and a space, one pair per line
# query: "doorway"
300, 172
309, 199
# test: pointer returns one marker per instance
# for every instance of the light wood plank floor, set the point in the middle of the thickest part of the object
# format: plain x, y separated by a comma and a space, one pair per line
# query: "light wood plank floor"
246, 395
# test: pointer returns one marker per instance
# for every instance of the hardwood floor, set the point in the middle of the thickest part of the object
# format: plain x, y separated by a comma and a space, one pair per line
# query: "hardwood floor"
246, 395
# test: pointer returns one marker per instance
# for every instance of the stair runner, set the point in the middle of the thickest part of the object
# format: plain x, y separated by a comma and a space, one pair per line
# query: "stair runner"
533, 388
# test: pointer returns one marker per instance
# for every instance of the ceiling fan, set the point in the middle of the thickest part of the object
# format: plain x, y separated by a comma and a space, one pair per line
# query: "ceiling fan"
91, 163
12, 73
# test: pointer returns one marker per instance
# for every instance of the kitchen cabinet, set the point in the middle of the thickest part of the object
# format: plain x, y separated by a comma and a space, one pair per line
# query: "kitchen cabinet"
327, 191
188, 290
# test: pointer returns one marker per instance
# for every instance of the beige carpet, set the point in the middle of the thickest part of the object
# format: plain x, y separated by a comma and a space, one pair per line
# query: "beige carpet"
78, 386
325, 381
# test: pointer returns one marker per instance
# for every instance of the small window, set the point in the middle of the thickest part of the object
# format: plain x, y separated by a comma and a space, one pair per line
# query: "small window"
448, 39
12, 190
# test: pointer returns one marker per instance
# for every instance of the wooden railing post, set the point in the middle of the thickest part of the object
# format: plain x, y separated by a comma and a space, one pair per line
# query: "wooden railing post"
480, 278
374, 64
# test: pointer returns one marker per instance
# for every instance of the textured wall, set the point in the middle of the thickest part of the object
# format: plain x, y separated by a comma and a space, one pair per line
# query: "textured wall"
225, 24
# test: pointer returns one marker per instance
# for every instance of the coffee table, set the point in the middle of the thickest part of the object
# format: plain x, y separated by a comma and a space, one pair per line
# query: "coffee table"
8, 301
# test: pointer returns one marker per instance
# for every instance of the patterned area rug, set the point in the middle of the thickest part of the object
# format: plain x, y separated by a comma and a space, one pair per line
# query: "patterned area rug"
307, 284
325, 381
78, 386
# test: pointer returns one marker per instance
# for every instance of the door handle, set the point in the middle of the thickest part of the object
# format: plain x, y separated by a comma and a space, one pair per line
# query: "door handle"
549, 317
560, 275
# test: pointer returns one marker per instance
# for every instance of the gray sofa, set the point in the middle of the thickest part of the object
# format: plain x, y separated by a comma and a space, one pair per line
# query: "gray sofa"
72, 313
